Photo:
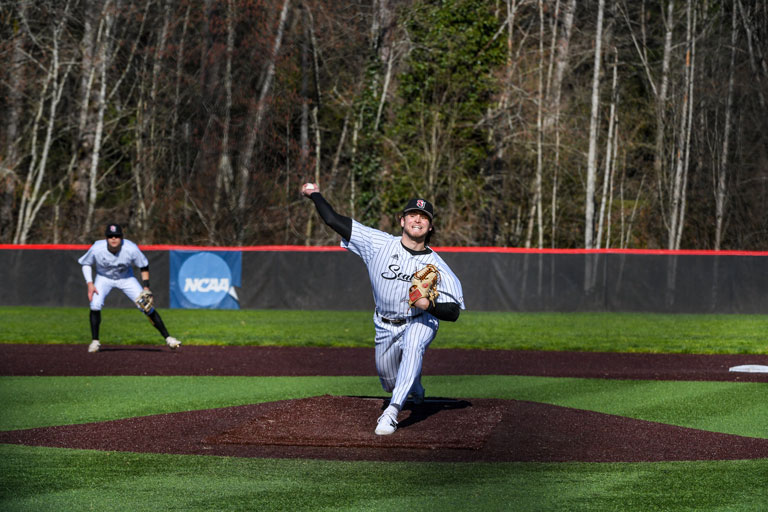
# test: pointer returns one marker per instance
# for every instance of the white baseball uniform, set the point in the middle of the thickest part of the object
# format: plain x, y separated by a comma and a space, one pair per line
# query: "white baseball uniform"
112, 270
403, 333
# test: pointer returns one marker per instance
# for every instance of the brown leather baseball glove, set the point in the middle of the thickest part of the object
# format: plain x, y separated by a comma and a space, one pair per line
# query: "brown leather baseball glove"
424, 284
145, 301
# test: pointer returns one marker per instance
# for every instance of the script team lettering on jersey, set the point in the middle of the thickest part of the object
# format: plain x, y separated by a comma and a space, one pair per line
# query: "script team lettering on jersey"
394, 273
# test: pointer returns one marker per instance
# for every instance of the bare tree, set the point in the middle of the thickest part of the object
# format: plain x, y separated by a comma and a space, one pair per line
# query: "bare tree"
147, 126
103, 38
309, 69
589, 206
225, 174
536, 204
552, 115
722, 172
257, 111
609, 157
86, 133
35, 192
757, 57
659, 88
682, 152
9, 178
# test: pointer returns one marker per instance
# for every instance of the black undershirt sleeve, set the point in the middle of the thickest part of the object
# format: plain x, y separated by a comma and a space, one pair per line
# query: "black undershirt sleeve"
339, 223
448, 311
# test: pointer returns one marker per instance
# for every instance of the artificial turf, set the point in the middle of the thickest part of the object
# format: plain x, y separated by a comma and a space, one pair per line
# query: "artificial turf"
596, 332
38, 479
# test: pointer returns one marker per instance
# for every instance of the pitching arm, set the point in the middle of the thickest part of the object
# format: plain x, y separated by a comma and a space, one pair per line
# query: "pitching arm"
339, 223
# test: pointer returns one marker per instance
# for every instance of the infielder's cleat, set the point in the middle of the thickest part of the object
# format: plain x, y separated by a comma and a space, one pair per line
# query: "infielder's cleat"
94, 346
387, 423
172, 342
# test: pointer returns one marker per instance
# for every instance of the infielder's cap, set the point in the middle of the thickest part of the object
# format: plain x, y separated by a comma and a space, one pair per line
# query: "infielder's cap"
114, 230
421, 205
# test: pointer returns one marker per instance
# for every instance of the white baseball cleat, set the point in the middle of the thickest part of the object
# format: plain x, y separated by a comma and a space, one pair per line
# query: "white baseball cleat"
172, 342
94, 346
387, 423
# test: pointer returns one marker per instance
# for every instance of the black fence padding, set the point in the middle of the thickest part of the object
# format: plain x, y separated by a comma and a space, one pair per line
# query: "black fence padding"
492, 281
54, 278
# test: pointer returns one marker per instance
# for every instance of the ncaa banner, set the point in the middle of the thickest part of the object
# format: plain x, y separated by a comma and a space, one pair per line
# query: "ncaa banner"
205, 280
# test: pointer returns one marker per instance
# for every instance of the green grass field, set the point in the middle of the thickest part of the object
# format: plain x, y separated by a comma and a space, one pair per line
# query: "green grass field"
595, 332
35, 478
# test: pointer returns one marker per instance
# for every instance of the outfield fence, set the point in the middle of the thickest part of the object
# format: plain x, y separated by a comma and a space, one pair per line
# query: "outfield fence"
494, 279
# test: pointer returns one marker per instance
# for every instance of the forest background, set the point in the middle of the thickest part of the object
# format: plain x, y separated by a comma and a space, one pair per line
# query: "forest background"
528, 123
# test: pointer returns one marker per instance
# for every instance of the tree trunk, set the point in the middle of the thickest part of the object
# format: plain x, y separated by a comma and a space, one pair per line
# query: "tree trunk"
382, 28
562, 58
181, 162
101, 105
308, 69
145, 165
552, 115
255, 118
757, 60
84, 145
720, 191
659, 156
33, 196
8, 176
145, 185
608, 171
537, 189
225, 174
680, 177
589, 217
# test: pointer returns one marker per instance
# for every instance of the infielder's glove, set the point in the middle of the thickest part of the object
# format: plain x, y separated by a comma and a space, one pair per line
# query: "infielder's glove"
424, 284
145, 301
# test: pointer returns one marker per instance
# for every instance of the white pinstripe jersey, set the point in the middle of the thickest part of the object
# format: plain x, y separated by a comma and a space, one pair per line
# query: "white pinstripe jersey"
114, 266
391, 267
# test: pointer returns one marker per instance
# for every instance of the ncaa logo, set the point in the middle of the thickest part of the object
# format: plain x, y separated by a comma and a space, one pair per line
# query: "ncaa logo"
204, 279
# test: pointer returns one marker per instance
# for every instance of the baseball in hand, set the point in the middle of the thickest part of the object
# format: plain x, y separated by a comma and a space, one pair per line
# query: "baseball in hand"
309, 188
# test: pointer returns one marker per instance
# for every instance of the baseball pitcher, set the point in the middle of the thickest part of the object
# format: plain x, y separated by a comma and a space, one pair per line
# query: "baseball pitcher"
413, 289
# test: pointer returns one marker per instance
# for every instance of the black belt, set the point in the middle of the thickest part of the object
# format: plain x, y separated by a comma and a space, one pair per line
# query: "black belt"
393, 321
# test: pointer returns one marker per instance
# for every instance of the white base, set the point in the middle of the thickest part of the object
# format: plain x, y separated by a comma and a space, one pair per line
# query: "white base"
750, 368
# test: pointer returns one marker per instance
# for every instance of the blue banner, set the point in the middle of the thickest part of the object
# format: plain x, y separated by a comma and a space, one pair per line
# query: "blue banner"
205, 279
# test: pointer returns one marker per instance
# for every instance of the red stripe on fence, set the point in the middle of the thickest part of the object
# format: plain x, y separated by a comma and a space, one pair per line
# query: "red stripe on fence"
333, 248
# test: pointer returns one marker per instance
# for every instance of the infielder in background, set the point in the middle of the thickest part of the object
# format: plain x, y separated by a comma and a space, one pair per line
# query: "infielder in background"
113, 260
403, 331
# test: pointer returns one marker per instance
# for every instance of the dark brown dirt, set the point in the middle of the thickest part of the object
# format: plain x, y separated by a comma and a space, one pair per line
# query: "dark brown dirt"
333, 427
299, 361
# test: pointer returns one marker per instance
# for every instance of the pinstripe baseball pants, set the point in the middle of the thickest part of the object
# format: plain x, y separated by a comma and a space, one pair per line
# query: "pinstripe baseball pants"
400, 352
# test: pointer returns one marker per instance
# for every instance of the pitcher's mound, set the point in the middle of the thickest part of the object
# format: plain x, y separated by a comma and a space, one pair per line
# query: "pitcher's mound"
440, 430
345, 421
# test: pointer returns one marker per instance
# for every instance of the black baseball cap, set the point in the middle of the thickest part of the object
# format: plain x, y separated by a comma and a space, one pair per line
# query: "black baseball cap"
114, 230
421, 205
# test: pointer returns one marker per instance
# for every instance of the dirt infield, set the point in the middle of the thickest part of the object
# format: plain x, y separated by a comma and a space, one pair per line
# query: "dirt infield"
307, 361
445, 429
